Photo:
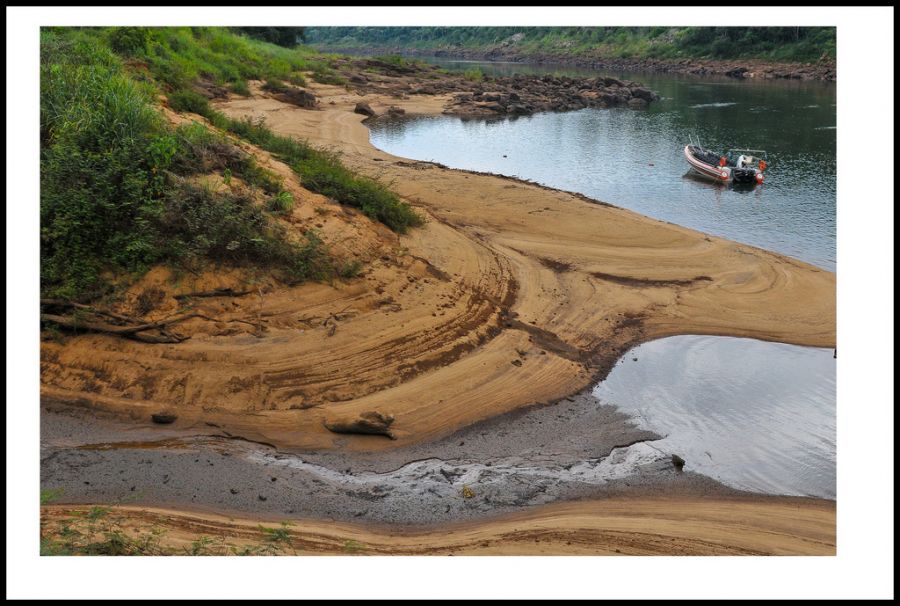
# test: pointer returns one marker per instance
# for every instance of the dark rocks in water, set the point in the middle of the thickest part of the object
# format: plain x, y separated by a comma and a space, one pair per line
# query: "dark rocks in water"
371, 423
524, 95
678, 462
163, 418
364, 109
737, 72
637, 103
643, 93
299, 97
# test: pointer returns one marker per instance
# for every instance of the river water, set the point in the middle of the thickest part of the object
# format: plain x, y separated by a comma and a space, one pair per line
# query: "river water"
634, 159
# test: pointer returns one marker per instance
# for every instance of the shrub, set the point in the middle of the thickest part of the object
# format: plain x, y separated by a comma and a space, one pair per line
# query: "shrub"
239, 87
297, 79
475, 74
130, 41
185, 100
273, 85
282, 202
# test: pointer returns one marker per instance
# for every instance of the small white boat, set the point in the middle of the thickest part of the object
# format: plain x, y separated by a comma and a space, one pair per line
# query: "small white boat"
740, 166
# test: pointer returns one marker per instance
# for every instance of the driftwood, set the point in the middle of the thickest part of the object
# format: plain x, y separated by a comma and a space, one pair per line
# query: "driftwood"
130, 332
219, 292
94, 310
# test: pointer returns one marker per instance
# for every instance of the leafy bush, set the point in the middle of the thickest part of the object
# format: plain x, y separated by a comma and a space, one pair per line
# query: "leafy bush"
130, 41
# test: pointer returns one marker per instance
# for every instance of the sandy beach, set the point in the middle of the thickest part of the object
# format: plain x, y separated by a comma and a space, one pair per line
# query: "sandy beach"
512, 297
513, 294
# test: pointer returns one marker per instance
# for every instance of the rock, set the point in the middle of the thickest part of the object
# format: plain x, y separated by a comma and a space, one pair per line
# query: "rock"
678, 462
642, 93
494, 96
364, 109
637, 103
358, 79
738, 72
299, 97
372, 422
163, 418
395, 111
490, 105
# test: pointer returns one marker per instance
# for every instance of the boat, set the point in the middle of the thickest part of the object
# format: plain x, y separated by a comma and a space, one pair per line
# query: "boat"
737, 166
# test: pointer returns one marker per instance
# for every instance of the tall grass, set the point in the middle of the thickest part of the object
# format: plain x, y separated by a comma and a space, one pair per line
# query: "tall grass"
113, 196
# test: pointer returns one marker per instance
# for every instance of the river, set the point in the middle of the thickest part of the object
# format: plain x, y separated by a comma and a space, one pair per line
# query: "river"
634, 159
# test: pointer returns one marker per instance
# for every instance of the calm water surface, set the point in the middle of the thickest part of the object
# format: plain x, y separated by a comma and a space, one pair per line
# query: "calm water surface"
754, 415
634, 158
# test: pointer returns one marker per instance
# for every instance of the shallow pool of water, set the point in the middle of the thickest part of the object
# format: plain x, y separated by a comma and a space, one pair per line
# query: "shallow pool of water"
754, 415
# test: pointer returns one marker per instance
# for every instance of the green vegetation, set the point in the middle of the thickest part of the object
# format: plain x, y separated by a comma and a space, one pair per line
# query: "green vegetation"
118, 192
106, 531
48, 495
322, 172
351, 546
274, 85
474, 74
790, 44
282, 36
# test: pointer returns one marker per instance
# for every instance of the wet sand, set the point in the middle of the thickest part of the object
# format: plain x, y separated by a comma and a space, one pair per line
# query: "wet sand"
577, 448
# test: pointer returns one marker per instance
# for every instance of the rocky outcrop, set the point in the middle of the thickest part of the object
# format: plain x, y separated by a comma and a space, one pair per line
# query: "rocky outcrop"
299, 97
523, 95
371, 423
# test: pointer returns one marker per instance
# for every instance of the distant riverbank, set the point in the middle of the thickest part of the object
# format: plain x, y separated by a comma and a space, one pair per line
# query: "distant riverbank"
735, 68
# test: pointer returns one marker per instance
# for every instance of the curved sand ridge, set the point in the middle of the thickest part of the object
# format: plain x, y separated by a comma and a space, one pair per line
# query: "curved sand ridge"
666, 526
512, 294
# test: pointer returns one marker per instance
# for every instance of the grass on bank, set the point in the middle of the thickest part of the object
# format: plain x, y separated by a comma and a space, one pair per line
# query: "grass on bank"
116, 189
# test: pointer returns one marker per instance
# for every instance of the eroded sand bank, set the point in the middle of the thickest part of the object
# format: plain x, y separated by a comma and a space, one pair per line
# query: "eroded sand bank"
513, 294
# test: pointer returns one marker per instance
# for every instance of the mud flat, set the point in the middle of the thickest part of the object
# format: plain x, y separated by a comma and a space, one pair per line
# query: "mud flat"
489, 488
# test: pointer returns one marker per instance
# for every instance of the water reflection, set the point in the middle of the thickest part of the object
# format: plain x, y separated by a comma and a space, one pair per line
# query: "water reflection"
757, 416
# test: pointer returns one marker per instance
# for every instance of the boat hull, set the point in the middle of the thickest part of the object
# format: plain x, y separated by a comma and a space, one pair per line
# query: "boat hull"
721, 174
